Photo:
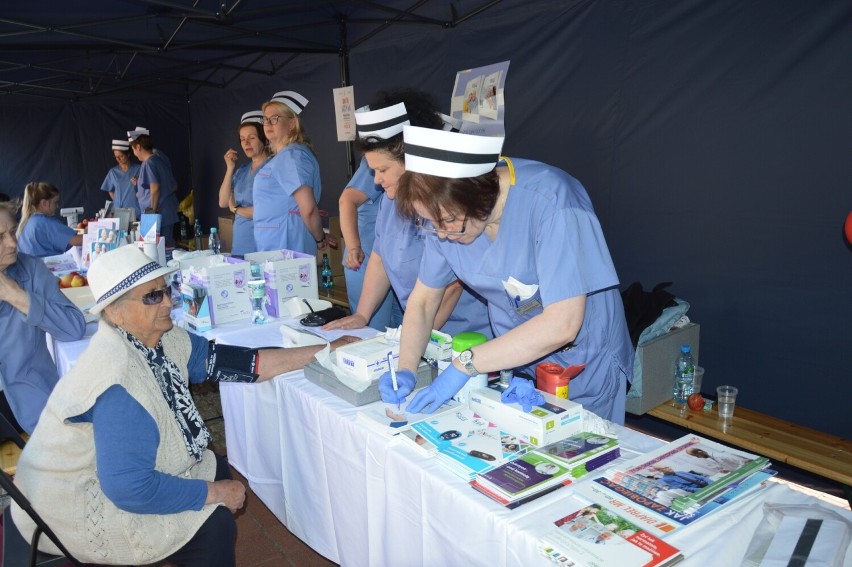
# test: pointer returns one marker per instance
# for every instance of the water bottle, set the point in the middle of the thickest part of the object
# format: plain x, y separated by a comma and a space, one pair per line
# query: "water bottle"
184, 227
257, 292
213, 242
327, 277
684, 375
197, 232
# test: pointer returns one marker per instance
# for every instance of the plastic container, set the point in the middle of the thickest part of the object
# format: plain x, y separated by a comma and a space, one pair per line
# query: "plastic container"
684, 375
326, 274
213, 242
548, 378
462, 342
257, 292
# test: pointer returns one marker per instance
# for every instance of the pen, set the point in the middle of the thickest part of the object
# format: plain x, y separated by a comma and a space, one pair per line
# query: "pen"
393, 374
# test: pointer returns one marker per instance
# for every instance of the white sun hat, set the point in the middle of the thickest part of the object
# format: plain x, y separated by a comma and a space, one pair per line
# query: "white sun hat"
383, 123
118, 271
294, 100
450, 154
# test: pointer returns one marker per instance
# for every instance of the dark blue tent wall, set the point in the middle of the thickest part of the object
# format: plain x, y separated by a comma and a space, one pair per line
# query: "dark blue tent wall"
713, 138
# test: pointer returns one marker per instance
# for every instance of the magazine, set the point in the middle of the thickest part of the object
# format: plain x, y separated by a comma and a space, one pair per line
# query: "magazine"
686, 473
655, 517
594, 536
468, 444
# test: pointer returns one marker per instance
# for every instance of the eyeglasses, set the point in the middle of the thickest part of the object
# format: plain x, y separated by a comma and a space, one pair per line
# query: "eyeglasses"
154, 297
272, 120
427, 226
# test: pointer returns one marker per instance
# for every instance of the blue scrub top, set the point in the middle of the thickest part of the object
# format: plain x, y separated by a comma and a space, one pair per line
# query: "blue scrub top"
158, 169
45, 236
400, 244
549, 236
26, 365
243, 183
118, 182
277, 222
368, 210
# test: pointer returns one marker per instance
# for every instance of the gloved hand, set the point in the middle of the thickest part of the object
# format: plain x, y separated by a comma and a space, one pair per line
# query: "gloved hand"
405, 381
442, 389
522, 391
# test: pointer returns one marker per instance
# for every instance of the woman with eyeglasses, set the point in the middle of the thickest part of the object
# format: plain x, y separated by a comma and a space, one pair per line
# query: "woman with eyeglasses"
120, 181
524, 236
399, 245
235, 193
31, 304
287, 188
40, 232
119, 465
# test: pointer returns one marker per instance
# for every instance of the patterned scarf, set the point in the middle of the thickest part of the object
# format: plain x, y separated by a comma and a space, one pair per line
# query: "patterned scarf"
196, 437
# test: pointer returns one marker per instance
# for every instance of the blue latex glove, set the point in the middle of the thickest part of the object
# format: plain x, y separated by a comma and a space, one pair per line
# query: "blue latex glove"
405, 380
442, 389
522, 391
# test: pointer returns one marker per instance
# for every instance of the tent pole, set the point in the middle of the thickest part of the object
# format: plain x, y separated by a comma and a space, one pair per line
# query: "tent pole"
344, 82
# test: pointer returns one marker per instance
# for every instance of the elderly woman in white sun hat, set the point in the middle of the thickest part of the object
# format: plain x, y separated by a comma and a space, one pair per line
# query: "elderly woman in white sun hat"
118, 465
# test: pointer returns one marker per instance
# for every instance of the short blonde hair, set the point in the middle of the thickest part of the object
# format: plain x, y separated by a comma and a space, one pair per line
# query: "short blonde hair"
298, 134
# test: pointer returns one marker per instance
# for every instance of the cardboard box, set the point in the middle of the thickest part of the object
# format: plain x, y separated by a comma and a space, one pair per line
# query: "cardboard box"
553, 421
657, 358
334, 226
295, 276
368, 359
225, 279
325, 379
196, 307
226, 233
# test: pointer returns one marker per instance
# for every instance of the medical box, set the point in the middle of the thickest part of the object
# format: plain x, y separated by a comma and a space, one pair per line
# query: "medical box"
196, 307
554, 420
288, 274
368, 359
326, 380
226, 281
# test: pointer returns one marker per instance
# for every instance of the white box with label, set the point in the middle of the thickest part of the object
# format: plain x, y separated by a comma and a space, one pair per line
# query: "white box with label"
368, 359
554, 420
225, 279
288, 274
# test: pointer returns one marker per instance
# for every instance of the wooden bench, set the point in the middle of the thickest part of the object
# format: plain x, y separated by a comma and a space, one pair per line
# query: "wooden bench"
814, 451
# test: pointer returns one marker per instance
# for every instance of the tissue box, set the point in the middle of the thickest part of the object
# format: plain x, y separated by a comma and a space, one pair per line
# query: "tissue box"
368, 359
293, 277
196, 307
225, 280
553, 421
326, 380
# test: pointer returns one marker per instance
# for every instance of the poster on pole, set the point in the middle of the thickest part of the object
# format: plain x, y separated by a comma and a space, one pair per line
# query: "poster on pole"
344, 112
478, 99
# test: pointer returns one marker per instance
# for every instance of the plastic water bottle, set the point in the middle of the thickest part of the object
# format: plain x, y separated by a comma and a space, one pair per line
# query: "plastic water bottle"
327, 277
257, 292
684, 375
213, 242
197, 233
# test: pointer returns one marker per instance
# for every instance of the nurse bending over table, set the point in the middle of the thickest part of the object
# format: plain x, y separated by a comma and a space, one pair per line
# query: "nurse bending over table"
118, 464
524, 236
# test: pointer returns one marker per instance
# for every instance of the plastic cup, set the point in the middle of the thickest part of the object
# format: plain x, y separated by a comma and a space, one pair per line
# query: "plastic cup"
726, 397
698, 379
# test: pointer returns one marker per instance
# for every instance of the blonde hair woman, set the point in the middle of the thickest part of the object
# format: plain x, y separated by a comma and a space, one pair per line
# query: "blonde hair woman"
40, 233
288, 187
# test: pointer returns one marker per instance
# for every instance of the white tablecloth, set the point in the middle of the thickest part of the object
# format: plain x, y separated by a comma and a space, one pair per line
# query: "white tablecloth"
360, 499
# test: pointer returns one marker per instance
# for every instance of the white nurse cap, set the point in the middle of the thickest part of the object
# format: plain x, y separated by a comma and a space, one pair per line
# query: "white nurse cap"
450, 154
252, 116
138, 131
294, 100
450, 124
121, 145
383, 123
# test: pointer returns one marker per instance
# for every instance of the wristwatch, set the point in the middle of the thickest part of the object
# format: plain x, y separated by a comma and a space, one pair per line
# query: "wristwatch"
466, 360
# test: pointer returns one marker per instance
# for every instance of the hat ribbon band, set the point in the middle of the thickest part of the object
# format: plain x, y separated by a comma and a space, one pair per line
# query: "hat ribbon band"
449, 156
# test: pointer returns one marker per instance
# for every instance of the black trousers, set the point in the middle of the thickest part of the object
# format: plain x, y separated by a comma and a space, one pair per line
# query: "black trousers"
213, 543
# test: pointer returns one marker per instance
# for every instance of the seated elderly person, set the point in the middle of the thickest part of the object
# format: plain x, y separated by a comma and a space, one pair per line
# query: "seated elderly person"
118, 465
31, 305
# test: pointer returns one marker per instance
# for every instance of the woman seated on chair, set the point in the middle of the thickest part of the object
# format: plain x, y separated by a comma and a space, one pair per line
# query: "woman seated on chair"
118, 465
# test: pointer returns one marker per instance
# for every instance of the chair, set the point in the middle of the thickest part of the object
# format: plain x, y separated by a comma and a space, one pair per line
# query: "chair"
16, 551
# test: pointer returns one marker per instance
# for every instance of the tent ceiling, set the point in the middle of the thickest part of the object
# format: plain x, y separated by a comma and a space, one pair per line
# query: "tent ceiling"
70, 50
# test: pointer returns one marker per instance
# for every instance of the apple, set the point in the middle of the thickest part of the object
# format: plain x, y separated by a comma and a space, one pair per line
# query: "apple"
695, 402
78, 281
65, 281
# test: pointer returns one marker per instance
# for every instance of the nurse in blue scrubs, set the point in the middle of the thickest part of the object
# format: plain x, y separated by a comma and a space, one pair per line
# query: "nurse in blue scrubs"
524, 235
399, 245
40, 232
287, 188
235, 193
157, 186
359, 206
120, 180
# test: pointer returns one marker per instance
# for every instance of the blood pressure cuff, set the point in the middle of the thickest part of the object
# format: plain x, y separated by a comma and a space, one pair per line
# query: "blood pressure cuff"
228, 363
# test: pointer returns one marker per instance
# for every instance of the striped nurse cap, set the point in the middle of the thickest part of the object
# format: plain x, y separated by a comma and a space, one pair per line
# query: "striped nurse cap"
383, 123
450, 154
292, 99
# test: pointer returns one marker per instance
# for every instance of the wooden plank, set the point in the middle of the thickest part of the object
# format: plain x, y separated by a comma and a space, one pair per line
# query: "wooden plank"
782, 441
